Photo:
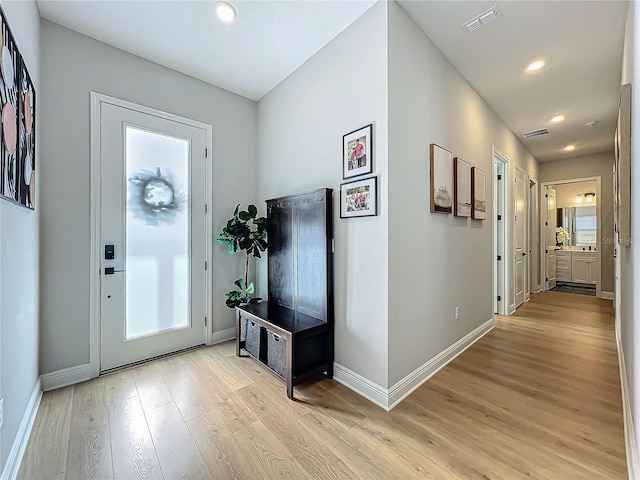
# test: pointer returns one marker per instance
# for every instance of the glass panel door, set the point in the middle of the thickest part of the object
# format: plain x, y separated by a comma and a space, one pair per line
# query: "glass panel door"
153, 228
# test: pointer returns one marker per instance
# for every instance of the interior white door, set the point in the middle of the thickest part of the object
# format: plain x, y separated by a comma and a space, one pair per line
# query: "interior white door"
152, 223
550, 237
498, 237
520, 234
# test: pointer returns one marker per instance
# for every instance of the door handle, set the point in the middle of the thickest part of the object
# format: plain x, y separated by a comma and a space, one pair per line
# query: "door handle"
111, 271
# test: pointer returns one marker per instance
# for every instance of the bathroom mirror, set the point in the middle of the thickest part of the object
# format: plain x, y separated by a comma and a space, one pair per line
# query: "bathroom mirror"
581, 223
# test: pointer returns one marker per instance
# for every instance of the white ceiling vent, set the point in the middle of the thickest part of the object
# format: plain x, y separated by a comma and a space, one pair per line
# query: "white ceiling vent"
536, 133
482, 19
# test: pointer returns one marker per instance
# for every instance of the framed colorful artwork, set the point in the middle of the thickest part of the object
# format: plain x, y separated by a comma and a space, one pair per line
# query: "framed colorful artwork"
17, 141
359, 198
357, 154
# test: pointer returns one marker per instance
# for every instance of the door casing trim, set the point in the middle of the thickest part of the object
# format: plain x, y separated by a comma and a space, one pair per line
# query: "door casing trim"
96, 101
504, 233
598, 180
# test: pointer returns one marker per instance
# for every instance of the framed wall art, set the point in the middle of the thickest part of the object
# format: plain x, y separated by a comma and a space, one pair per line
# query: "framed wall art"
623, 168
17, 141
357, 154
441, 179
461, 188
359, 198
479, 193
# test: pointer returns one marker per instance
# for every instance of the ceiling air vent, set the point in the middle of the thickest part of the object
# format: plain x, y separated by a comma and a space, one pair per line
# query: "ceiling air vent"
482, 19
536, 133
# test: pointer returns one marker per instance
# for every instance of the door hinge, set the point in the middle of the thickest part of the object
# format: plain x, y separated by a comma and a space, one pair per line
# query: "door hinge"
206, 208
499, 217
546, 195
499, 298
205, 321
499, 257
547, 279
206, 266
499, 177
206, 153
546, 251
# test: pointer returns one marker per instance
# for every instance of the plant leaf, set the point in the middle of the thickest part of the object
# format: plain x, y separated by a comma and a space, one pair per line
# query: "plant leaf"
253, 211
250, 289
240, 283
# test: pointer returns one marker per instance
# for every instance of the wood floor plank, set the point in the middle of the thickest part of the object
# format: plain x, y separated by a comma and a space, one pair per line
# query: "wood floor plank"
134, 456
177, 452
270, 454
89, 455
152, 390
315, 458
360, 456
46, 457
225, 458
232, 375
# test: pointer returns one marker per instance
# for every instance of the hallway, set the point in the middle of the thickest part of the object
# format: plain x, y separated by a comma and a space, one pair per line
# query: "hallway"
538, 397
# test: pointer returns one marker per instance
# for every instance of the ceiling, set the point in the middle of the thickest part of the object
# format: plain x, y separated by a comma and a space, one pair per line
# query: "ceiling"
582, 43
267, 42
580, 40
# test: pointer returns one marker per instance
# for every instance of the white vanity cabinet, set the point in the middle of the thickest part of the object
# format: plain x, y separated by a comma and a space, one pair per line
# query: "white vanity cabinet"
584, 267
563, 266
576, 266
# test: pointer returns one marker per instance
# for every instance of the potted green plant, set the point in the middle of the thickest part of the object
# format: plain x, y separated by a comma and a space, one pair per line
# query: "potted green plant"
247, 232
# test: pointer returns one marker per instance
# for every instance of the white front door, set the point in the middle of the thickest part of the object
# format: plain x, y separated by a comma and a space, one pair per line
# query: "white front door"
551, 223
520, 235
153, 240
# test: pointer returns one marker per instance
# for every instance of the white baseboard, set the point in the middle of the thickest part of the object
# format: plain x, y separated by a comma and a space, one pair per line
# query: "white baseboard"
408, 384
630, 440
11, 468
66, 376
362, 386
389, 398
607, 295
223, 335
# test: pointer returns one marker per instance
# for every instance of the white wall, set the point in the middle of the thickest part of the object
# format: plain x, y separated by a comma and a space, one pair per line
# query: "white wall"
75, 65
566, 194
19, 259
300, 127
436, 262
629, 260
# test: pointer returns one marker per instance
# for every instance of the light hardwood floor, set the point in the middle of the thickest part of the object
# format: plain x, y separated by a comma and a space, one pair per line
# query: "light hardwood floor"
538, 397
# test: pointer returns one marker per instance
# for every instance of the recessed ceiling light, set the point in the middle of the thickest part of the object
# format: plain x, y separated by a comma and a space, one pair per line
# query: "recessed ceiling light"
225, 11
558, 118
569, 148
535, 66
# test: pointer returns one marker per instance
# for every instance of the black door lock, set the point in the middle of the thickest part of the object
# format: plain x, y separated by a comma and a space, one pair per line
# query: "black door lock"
109, 252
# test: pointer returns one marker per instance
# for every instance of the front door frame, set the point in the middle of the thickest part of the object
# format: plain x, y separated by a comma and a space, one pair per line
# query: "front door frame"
97, 99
